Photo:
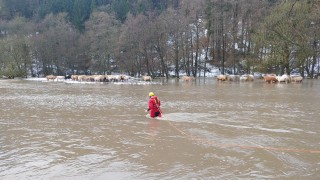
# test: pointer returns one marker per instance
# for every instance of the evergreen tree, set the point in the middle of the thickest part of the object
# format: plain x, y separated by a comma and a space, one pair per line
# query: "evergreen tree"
80, 13
121, 8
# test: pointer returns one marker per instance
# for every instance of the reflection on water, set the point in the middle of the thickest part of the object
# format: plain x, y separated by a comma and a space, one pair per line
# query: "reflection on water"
216, 130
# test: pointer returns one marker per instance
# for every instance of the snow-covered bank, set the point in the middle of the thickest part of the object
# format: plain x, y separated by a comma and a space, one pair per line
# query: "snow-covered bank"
69, 81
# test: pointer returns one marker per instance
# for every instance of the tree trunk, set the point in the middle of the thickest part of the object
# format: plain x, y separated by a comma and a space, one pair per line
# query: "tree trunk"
197, 49
176, 56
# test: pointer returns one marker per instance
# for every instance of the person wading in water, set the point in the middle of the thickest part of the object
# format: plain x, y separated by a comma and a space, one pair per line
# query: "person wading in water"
154, 106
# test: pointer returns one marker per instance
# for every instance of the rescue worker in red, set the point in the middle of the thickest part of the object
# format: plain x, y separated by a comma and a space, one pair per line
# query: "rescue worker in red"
154, 105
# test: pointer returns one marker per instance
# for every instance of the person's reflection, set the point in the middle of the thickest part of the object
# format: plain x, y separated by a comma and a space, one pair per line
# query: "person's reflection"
153, 127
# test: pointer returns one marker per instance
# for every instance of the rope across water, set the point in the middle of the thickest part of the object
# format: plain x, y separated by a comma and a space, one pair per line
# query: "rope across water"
210, 142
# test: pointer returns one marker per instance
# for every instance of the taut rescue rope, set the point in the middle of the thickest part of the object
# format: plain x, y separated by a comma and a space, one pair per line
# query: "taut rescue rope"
210, 142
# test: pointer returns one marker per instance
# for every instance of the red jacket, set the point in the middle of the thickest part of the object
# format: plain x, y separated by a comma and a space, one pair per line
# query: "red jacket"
154, 106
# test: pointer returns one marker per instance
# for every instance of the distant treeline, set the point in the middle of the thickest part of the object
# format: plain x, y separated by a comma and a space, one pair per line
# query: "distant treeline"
79, 11
155, 37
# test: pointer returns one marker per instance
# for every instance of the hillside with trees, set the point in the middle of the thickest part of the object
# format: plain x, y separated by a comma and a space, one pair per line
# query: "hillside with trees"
153, 37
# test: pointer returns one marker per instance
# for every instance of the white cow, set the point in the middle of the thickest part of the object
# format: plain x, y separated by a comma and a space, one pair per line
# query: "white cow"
51, 77
146, 78
284, 78
296, 79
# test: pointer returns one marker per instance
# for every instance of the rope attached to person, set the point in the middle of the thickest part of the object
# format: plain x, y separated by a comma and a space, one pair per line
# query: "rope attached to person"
156, 103
210, 142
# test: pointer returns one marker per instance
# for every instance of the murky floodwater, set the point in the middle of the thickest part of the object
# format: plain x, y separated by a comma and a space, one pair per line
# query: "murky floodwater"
210, 130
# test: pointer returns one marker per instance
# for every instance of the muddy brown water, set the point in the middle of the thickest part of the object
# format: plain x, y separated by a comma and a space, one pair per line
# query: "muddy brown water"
209, 130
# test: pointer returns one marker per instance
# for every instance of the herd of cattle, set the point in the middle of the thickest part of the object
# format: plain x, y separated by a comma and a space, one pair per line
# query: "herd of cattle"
95, 78
269, 78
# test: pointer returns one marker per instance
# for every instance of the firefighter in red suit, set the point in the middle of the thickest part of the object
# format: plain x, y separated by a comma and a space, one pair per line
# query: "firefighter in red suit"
154, 105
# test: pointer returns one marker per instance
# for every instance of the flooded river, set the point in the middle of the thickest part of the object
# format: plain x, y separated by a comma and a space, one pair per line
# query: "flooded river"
209, 130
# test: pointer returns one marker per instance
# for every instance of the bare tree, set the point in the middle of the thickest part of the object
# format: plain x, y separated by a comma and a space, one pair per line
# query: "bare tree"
102, 34
53, 44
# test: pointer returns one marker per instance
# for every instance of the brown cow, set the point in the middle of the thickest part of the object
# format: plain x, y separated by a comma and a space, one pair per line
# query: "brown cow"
187, 78
270, 78
221, 77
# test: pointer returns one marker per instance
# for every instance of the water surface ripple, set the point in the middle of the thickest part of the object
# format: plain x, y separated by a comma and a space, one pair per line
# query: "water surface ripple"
209, 130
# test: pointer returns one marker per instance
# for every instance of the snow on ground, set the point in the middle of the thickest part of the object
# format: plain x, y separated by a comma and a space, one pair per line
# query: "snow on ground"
213, 72
133, 81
